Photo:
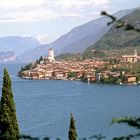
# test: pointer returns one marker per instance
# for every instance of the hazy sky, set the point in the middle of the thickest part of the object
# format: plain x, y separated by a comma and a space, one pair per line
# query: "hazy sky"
49, 19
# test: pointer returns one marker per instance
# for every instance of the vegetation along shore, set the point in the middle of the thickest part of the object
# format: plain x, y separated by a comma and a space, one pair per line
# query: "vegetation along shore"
121, 70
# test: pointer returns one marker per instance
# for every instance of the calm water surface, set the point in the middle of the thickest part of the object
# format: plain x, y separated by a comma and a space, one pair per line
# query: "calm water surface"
44, 107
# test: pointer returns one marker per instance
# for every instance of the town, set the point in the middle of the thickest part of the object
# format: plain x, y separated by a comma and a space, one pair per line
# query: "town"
123, 70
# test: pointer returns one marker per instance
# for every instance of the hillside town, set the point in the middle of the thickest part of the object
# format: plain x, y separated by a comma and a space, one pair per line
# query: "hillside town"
95, 71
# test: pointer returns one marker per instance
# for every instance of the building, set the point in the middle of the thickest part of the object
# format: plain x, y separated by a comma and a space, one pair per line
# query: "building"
130, 58
130, 78
51, 55
98, 77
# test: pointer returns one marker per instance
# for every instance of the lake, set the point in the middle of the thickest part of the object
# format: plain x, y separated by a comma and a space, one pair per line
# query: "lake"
44, 107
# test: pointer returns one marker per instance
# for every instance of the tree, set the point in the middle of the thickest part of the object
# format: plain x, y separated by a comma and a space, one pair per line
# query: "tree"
40, 59
130, 121
72, 74
72, 129
8, 121
97, 137
120, 23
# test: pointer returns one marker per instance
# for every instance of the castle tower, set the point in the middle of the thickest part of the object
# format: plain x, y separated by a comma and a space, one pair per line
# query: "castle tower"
135, 53
51, 55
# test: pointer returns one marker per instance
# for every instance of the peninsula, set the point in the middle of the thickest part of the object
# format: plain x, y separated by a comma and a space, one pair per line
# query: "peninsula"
113, 70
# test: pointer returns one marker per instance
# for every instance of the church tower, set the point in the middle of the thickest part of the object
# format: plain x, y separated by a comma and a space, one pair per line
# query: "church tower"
135, 53
51, 55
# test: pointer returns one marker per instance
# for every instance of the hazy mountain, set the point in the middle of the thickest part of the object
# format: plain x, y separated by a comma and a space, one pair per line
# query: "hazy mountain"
7, 57
119, 38
77, 40
17, 44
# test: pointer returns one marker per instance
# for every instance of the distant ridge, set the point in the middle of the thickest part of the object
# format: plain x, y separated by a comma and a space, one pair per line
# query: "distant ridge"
77, 40
17, 44
7, 57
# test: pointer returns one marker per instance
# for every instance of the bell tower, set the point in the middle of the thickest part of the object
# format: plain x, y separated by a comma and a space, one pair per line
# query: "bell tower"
51, 55
135, 53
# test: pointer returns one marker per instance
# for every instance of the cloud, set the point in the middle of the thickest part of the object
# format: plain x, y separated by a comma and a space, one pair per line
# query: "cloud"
100, 2
43, 38
81, 3
44, 10
19, 3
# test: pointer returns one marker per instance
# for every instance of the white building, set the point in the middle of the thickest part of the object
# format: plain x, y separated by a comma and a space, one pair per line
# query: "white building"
130, 58
51, 55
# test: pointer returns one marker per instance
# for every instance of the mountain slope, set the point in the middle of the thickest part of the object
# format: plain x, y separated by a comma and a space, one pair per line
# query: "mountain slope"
76, 40
7, 57
119, 38
17, 44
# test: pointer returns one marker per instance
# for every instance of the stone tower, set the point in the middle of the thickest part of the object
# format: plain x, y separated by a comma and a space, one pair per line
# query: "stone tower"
135, 53
51, 55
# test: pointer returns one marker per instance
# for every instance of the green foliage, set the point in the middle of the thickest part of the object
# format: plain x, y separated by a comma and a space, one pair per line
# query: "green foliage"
87, 54
138, 78
111, 80
27, 67
37, 62
24, 68
83, 78
133, 122
72, 134
120, 23
91, 54
30, 66
68, 56
114, 61
130, 121
8, 120
72, 74
41, 58
113, 19
97, 137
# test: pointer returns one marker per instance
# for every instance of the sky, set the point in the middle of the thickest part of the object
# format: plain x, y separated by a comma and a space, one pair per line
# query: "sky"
47, 20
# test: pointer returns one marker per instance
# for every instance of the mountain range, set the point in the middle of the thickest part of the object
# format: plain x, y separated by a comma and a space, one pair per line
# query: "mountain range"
75, 41
7, 56
118, 40
94, 34
17, 44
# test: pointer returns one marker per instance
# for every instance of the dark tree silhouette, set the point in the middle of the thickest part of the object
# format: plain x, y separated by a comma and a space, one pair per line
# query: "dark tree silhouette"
8, 121
130, 121
97, 137
72, 129
120, 23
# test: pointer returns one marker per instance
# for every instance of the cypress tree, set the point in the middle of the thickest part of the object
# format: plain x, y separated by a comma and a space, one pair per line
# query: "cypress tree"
8, 121
72, 134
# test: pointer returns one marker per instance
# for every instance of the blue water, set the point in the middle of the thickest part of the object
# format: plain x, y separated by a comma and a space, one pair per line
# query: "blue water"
44, 107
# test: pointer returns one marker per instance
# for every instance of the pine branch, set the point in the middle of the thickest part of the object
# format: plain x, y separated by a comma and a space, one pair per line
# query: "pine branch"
120, 23
133, 122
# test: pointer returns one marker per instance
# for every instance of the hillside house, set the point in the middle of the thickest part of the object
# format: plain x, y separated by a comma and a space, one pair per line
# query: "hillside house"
130, 58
